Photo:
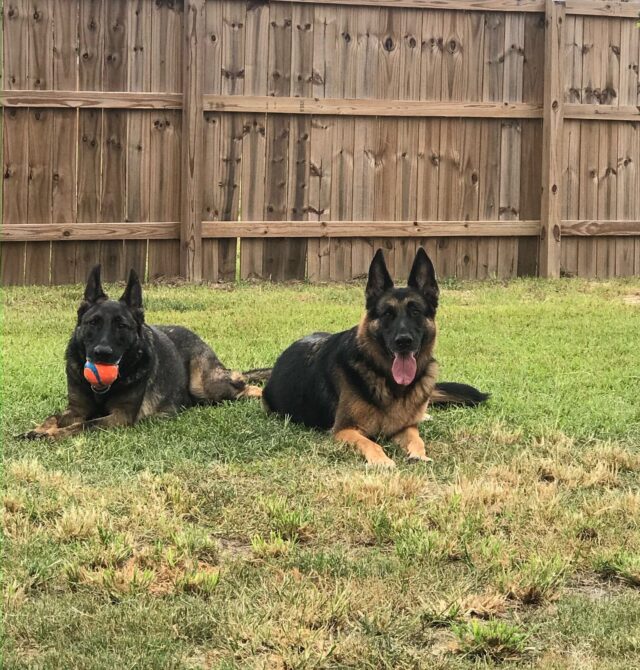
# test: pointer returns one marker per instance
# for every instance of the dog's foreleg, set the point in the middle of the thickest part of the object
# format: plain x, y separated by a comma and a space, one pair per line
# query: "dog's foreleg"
50, 427
68, 423
373, 452
117, 418
409, 439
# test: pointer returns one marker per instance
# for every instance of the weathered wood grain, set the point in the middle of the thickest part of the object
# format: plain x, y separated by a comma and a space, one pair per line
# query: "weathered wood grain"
552, 133
192, 128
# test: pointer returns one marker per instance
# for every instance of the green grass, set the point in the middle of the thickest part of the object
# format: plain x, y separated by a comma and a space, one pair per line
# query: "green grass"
225, 538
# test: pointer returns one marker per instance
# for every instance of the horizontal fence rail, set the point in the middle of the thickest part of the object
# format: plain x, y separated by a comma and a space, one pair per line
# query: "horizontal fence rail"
175, 137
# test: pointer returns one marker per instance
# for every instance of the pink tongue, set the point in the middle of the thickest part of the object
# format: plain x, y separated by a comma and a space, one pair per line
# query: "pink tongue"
404, 368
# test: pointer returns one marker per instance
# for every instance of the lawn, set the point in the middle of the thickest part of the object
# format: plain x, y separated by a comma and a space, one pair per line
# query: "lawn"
225, 538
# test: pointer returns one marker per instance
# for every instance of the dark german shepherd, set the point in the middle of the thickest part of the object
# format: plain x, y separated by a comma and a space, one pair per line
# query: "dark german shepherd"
161, 369
378, 377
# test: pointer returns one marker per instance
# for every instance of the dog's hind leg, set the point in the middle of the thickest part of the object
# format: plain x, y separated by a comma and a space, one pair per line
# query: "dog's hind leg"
211, 383
409, 439
373, 453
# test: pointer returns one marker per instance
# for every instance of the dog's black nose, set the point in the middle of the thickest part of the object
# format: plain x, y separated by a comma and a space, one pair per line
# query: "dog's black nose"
403, 342
102, 351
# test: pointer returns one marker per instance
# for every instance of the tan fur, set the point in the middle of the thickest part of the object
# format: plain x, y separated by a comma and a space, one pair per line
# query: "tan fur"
409, 439
149, 406
251, 392
373, 453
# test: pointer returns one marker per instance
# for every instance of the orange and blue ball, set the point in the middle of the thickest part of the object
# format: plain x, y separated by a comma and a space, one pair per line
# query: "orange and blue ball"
100, 374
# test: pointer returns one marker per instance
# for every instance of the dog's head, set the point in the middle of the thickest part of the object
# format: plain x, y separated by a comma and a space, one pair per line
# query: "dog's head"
401, 320
107, 329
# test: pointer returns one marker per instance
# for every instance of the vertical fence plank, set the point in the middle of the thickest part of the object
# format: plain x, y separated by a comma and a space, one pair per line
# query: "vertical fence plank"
114, 151
212, 83
15, 138
138, 130
228, 191
40, 76
550, 209
511, 142
91, 48
324, 48
627, 155
607, 197
234, 15
64, 204
278, 129
473, 38
254, 145
65, 78
165, 135
294, 251
192, 129
571, 140
531, 155
211, 175
406, 201
341, 76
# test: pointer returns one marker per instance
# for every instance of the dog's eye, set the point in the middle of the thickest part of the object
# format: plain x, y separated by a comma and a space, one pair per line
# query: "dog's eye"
389, 313
121, 325
414, 310
95, 321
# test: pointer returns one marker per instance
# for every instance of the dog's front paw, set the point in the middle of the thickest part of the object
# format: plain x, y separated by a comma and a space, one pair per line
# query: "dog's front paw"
35, 434
381, 461
419, 458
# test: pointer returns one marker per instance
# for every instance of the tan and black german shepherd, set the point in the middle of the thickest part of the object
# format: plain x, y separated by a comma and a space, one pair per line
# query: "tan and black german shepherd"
375, 379
161, 369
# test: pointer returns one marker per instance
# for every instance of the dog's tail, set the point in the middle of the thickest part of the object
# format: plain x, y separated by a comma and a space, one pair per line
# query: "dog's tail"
452, 393
257, 375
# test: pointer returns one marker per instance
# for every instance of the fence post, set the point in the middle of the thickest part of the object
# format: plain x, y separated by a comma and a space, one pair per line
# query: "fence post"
192, 127
552, 138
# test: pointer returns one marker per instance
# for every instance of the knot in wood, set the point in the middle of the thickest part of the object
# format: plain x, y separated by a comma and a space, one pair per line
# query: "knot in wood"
389, 44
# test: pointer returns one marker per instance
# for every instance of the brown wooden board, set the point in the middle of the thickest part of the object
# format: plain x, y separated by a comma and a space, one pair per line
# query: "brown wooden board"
511, 141
232, 132
39, 76
531, 155
165, 135
211, 203
115, 63
628, 186
138, 131
588, 203
254, 144
65, 77
571, 140
15, 139
89, 185
64, 186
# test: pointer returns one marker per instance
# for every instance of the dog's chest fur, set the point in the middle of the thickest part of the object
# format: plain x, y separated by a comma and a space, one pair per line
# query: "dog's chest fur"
391, 413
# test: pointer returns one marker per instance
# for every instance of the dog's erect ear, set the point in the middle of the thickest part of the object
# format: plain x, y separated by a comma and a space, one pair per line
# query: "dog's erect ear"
93, 292
132, 296
379, 280
422, 278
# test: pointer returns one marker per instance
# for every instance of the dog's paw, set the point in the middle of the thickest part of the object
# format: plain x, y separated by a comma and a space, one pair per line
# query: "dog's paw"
419, 458
34, 434
382, 462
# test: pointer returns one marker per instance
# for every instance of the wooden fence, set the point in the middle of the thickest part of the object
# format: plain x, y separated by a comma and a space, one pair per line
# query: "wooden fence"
502, 135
